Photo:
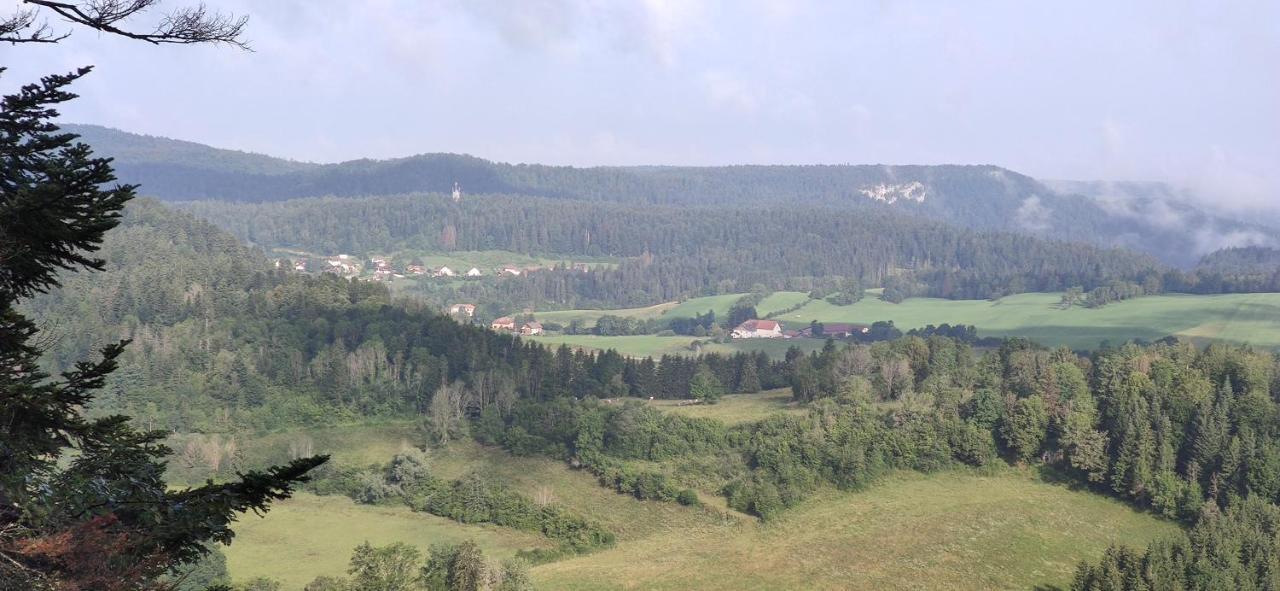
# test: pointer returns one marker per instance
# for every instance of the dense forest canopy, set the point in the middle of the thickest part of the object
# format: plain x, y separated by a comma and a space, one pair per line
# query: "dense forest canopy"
672, 252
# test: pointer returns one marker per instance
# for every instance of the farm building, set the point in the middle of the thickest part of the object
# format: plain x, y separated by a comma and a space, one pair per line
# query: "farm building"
531, 328
474, 272
506, 323
758, 329
444, 272
417, 269
510, 271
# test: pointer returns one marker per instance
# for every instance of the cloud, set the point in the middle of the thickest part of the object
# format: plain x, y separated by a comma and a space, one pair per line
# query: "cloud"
1228, 185
1208, 240
1033, 215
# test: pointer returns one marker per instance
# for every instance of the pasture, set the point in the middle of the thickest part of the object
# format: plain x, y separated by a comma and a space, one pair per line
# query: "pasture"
952, 530
1003, 528
656, 346
735, 409
1238, 318
1241, 318
308, 536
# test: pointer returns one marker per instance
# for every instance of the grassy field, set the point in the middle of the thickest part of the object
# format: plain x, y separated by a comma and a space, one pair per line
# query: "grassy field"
1251, 318
952, 530
1240, 318
734, 409
686, 309
653, 345
309, 536
719, 304
780, 300
588, 317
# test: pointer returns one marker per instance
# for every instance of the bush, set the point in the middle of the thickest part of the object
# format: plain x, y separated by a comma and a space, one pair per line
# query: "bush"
688, 498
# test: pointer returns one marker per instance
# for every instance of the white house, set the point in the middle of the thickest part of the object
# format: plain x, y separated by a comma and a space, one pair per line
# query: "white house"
444, 272
474, 272
758, 329
468, 310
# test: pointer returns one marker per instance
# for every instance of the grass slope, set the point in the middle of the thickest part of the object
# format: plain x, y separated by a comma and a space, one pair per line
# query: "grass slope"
548, 480
308, 536
1241, 318
1251, 318
655, 346
588, 317
687, 309
954, 530
734, 409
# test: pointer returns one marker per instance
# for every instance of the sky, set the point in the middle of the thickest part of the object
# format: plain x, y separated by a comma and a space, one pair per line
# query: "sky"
1182, 92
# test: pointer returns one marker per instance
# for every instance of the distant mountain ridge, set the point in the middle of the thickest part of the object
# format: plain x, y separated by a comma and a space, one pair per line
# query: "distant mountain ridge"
981, 197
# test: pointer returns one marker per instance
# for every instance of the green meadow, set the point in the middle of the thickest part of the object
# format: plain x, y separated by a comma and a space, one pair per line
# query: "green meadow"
952, 530
735, 409
1238, 318
999, 529
1241, 318
689, 308
308, 536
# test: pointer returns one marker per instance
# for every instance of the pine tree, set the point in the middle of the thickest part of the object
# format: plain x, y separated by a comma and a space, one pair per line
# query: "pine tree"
748, 376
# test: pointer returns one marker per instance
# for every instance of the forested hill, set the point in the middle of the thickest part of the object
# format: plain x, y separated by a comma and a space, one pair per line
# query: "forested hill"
978, 197
672, 252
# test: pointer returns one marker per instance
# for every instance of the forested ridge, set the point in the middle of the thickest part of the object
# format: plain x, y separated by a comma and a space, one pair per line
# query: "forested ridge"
685, 251
674, 252
975, 197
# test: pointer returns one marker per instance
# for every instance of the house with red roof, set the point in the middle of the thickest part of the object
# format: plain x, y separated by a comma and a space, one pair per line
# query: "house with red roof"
758, 329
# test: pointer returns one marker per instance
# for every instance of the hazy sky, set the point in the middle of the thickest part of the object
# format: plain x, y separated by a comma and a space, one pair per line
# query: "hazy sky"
1163, 90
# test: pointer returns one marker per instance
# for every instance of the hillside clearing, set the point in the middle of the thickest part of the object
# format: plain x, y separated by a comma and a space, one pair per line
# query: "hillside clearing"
734, 409
950, 530
954, 530
308, 536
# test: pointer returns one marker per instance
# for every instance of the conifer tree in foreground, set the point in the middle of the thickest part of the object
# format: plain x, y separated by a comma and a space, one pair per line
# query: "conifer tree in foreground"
83, 502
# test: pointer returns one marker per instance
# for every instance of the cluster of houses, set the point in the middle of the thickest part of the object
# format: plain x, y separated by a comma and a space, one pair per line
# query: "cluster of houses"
342, 264
508, 324
382, 270
444, 271
772, 329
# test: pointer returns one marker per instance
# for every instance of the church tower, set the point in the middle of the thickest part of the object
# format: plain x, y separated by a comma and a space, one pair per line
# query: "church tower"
457, 192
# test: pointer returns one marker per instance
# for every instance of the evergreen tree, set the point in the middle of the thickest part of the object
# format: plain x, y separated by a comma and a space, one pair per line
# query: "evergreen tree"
83, 501
705, 386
